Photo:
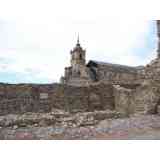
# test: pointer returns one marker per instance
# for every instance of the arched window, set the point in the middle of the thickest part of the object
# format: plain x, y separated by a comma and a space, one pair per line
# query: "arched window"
80, 56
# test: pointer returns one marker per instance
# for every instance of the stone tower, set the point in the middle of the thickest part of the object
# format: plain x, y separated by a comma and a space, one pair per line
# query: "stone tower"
78, 58
78, 74
158, 33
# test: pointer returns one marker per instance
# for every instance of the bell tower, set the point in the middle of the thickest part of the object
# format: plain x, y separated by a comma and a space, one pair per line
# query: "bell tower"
78, 55
78, 73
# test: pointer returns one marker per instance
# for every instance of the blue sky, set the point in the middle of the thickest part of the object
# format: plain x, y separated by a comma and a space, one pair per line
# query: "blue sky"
36, 36
150, 42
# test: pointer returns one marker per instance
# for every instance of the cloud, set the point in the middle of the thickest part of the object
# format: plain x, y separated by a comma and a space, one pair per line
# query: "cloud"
35, 40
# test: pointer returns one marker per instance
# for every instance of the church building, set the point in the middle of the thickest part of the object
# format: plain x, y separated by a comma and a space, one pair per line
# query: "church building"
81, 73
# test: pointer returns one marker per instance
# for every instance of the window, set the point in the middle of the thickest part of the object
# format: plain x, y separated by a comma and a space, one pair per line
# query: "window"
80, 56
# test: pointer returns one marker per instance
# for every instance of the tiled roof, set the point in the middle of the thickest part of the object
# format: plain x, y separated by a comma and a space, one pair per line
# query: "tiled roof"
114, 66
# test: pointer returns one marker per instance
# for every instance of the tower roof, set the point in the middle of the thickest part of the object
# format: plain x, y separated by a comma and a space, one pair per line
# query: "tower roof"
78, 43
78, 46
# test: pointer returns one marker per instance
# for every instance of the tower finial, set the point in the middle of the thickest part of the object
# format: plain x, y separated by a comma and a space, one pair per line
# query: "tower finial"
78, 43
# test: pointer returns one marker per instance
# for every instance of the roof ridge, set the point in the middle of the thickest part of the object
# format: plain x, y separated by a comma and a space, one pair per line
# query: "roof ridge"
115, 64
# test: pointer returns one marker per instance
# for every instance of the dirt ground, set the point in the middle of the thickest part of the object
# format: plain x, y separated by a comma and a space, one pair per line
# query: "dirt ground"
140, 127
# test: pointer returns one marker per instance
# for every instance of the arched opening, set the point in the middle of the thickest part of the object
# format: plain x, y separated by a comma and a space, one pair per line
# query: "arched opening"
80, 56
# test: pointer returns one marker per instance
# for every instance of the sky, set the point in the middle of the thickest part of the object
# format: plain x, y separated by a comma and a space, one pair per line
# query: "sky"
36, 37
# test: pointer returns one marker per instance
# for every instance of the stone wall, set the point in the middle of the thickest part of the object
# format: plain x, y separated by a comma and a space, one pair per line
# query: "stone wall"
146, 98
21, 98
73, 99
122, 99
143, 99
127, 99
115, 76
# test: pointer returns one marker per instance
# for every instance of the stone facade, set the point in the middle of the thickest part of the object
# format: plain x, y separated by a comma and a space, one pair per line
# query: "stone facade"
114, 73
77, 74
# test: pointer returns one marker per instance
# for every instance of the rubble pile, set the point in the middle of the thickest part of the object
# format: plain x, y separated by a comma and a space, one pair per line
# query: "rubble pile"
58, 118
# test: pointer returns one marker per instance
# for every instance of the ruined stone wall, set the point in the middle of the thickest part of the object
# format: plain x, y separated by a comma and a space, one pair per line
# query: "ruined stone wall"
123, 98
146, 98
143, 99
95, 97
127, 99
18, 99
25, 98
152, 70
